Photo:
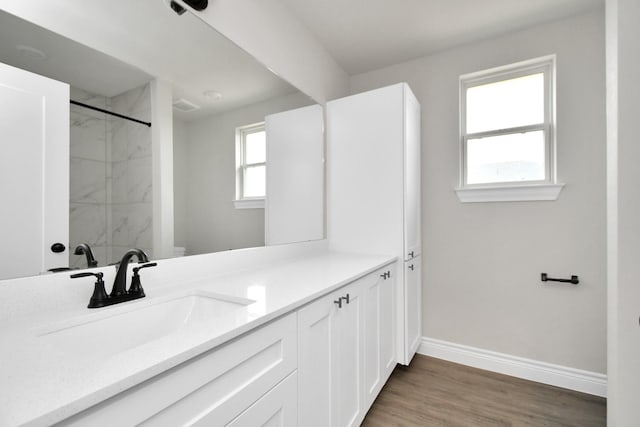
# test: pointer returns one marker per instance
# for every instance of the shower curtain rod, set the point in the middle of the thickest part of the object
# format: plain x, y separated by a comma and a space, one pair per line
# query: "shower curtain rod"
91, 107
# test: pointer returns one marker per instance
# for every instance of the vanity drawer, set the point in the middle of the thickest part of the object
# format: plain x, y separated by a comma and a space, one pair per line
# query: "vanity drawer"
216, 386
279, 407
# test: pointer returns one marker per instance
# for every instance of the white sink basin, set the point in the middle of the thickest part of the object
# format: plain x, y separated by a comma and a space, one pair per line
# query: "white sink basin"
127, 327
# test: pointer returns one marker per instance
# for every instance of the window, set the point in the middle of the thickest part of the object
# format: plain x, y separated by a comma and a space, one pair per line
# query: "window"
251, 156
507, 133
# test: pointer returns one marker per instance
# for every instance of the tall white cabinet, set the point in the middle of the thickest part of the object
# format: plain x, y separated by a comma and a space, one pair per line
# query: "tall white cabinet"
373, 197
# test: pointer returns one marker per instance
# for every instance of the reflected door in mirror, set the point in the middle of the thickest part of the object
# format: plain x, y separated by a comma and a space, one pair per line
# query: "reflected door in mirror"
34, 117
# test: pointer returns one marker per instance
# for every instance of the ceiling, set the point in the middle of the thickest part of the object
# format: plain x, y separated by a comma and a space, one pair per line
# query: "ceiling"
118, 48
363, 35
146, 39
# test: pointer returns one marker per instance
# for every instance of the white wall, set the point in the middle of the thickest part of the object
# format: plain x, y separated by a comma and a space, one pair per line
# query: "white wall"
180, 182
212, 222
623, 204
482, 263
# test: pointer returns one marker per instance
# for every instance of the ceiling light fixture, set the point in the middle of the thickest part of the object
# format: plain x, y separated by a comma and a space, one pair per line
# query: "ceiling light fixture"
212, 95
31, 52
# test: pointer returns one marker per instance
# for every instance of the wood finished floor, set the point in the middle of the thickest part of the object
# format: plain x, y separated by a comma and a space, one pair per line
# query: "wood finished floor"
433, 392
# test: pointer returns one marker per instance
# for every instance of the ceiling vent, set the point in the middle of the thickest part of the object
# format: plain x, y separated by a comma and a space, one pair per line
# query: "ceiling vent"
184, 105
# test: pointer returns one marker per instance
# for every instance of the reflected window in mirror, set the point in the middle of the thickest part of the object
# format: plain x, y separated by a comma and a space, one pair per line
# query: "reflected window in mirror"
251, 156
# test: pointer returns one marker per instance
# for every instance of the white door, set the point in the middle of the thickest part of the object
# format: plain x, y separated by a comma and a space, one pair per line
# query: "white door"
34, 129
294, 205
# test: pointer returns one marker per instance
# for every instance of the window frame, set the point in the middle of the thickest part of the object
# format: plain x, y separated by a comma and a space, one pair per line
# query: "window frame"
545, 65
241, 201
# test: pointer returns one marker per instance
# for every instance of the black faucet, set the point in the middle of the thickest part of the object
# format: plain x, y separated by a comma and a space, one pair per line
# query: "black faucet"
119, 291
85, 249
120, 283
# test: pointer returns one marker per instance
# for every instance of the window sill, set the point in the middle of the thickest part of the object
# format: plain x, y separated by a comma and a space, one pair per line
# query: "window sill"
510, 193
249, 204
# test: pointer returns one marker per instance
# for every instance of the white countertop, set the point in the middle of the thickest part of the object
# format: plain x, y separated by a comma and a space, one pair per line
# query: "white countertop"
43, 381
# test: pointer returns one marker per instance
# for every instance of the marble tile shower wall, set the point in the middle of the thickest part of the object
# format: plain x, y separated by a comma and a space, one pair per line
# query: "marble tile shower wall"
110, 206
132, 210
89, 169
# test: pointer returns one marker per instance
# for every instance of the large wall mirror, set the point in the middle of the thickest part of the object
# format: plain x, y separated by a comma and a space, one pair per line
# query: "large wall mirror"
221, 99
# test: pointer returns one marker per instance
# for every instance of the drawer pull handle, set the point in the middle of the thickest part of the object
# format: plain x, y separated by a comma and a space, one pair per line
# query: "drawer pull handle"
339, 302
411, 267
346, 298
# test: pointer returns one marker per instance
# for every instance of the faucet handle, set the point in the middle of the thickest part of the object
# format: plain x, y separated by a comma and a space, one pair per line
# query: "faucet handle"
87, 274
99, 296
136, 286
147, 265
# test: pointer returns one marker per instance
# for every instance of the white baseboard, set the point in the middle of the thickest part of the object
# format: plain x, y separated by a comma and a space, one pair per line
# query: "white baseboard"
533, 370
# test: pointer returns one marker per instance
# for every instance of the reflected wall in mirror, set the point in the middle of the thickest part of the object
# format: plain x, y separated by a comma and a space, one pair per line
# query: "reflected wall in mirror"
218, 89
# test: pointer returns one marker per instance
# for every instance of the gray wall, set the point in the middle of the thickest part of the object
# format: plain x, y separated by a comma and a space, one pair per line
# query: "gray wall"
204, 180
483, 261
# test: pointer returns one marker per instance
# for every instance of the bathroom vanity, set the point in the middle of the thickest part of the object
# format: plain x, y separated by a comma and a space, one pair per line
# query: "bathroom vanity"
299, 332
307, 339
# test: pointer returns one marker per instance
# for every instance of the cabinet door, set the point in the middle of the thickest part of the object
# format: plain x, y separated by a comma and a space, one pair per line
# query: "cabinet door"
277, 408
388, 325
412, 153
330, 351
378, 355
294, 206
316, 348
413, 306
347, 359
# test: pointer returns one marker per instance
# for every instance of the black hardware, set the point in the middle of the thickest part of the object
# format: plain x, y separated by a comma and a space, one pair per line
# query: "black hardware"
385, 275
388, 274
177, 8
120, 282
339, 302
136, 286
58, 247
198, 5
411, 267
99, 297
91, 107
119, 294
411, 256
85, 249
574, 279
59, 269
346, 298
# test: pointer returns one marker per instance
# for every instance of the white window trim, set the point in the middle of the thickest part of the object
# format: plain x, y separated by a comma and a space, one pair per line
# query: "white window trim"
241, 202
547, 189
255, 203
